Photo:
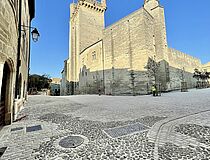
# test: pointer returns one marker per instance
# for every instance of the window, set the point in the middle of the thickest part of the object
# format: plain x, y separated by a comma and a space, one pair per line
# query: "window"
94, 55
16, 2
83, 59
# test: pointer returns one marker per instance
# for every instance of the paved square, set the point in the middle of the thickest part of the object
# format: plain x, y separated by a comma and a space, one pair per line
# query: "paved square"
173, 126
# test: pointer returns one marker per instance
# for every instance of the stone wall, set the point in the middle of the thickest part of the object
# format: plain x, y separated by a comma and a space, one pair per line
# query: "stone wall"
91, 66
180, 62
9, 13
126, 46
179, 59
206, 67
8, 30
86, 26
117, 62
157, 12
8, 53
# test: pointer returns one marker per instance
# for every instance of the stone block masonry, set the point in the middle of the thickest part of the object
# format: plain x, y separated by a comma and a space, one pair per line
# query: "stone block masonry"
115, 58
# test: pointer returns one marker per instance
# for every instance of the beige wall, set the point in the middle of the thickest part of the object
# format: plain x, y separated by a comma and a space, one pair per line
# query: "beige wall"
178, 59
86, 25
157, 12
8, 50
126, 41
92, 58
206, 67
126, 46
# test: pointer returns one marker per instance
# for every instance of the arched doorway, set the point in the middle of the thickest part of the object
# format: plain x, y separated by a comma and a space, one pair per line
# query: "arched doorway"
5, 93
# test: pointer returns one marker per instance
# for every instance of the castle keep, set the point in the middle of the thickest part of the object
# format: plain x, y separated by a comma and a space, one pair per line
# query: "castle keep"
118, 59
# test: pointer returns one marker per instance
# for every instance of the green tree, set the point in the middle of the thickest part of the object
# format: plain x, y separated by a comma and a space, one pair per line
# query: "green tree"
39, 81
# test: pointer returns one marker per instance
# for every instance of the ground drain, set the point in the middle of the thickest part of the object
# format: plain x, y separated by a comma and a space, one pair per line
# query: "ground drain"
71, 142
2, 150
33, 128
125, 130
16, 129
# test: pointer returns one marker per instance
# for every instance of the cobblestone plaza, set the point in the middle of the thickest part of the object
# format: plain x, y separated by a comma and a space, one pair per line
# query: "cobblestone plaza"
173, 126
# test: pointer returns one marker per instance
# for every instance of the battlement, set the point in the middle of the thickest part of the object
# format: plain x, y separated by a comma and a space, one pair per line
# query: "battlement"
93, 4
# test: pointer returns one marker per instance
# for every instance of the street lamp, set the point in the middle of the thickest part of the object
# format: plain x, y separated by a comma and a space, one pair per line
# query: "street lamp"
35, 35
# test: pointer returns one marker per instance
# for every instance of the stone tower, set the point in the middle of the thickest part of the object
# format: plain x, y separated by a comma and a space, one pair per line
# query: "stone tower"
86, 28
157, 11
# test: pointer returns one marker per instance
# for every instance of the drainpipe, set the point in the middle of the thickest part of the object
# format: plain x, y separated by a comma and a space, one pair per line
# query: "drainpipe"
18, 49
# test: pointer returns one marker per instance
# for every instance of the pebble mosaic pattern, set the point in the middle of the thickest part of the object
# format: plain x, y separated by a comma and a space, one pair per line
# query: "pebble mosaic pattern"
130, 147
93, 130
201, 133
100, 146
170, 151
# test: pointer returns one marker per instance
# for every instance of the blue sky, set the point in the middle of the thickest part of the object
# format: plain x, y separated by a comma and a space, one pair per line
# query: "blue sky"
187, 23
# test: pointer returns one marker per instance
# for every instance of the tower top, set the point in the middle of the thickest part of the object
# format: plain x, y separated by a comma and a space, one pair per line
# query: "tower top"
103, 2
150, 4
146, 1
94, 4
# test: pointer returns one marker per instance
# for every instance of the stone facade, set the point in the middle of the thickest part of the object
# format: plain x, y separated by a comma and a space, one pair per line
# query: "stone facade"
9, 24
55, 86
206, 67
114, 59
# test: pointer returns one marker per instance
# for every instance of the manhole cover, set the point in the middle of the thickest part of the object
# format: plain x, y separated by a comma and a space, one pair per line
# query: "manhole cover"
125, 130
71, 142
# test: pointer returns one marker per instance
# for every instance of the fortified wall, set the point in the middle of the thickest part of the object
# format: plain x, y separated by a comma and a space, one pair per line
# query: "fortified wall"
116, 62
182, 68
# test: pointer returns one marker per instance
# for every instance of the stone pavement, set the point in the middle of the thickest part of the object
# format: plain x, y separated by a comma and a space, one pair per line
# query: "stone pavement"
174, 126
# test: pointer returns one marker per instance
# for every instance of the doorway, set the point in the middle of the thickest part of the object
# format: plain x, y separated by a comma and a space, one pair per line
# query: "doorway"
5, 95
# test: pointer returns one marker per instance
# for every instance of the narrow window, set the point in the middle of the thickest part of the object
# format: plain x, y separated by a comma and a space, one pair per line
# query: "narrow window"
94, 55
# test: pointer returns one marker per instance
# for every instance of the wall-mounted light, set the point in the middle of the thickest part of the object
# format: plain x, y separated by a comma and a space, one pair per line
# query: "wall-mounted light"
35, 33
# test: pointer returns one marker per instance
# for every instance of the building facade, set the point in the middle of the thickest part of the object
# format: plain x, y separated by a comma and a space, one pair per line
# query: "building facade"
55, 86
115, 59
206, 67
14, 55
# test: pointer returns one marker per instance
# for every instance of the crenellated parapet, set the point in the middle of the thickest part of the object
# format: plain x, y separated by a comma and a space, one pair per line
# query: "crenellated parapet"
90, 4
93, 4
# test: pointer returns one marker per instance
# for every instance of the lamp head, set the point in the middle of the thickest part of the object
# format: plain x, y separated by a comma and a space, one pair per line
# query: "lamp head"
35, 35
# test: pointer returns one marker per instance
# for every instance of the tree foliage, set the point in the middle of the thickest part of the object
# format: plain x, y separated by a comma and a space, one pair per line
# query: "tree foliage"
201, 75
152, 68
39, 81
